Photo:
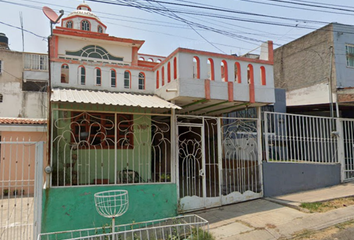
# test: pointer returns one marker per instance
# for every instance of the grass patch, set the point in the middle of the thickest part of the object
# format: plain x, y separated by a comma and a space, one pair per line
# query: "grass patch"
328, 205
312, 207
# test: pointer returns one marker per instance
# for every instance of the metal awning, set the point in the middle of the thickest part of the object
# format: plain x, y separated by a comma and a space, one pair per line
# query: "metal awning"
110, 98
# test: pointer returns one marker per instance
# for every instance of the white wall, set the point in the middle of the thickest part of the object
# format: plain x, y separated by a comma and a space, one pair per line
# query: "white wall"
186, 85
115, 49
316, 94
18, 103
74, 81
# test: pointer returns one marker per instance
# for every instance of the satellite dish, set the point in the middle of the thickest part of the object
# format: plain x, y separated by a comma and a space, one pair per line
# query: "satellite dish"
53, 17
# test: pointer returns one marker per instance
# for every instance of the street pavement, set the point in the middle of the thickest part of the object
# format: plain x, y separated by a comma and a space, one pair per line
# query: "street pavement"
277, 218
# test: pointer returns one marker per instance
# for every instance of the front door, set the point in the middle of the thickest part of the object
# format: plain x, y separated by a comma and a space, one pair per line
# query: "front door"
191, 167
198, 164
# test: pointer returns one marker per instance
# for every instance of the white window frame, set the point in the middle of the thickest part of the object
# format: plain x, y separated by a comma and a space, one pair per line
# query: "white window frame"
349, 55
85, 25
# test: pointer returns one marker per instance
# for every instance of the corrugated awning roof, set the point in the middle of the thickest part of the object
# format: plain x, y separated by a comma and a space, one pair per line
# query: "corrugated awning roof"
110, 98
23, 121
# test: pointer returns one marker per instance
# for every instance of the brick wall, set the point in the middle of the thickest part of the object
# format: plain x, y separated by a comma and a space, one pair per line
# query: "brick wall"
304, 62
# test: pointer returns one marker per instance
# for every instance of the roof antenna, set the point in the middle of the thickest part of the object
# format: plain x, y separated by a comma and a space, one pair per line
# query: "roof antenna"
23, 37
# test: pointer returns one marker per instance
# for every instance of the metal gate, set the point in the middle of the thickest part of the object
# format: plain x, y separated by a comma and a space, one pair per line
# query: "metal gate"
348, 149
219, 161
21, 178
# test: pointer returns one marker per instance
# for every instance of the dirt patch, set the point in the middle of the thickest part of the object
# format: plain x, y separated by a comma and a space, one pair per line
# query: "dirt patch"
322, 234
270, 226
328, 205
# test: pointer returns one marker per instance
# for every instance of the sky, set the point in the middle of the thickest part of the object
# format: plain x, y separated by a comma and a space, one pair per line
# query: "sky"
222, 26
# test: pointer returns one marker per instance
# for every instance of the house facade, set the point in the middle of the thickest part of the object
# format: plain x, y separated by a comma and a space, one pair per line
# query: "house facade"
317, 71
148, 124
23, 83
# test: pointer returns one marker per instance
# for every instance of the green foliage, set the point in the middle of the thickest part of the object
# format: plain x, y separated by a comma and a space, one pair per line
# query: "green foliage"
313, 207
200, 234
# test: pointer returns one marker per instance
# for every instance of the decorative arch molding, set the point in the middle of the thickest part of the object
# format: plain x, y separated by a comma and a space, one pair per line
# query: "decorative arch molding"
94, 51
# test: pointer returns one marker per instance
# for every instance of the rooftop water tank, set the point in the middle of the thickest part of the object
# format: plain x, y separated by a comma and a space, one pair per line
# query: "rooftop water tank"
4, 41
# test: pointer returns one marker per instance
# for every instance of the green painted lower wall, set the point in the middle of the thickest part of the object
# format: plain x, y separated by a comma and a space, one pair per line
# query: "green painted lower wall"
74, 208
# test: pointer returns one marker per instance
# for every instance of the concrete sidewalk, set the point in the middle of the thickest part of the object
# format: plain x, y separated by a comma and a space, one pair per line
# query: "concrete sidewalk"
272, 218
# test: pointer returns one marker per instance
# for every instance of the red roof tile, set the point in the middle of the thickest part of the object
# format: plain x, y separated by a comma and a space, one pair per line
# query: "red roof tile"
23, 121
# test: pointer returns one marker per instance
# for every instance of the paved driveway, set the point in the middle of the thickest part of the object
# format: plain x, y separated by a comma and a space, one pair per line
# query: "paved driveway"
16, 218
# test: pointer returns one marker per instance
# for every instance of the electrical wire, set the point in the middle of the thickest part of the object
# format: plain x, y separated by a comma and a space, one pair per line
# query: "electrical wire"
25, 30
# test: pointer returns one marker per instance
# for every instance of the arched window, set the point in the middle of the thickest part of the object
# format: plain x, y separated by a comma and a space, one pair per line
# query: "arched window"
82, 75
250, 78
237, 72
196, 67
169, 72
141, 83
263, 76
113, 78
85, 25
127, 79
141, 59
224, 73
163, 76
98, 76
100, 29
157, 79
150, 60
64, 73
158, 60
211, 75
69, 24
1, 97
175, 68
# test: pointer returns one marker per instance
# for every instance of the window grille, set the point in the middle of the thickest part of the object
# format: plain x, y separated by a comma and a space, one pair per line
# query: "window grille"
36, 62
95, 148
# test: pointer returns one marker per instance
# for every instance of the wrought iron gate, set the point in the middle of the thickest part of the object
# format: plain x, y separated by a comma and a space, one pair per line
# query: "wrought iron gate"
218, 161
21, 183
348, 149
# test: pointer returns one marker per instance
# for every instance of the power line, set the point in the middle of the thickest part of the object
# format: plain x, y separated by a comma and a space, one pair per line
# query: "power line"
295, 7
25, 30
314, 5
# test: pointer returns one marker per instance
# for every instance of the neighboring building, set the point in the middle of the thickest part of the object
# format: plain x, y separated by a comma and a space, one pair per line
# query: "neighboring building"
23, 124
23, 83
307, 66
149, 124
